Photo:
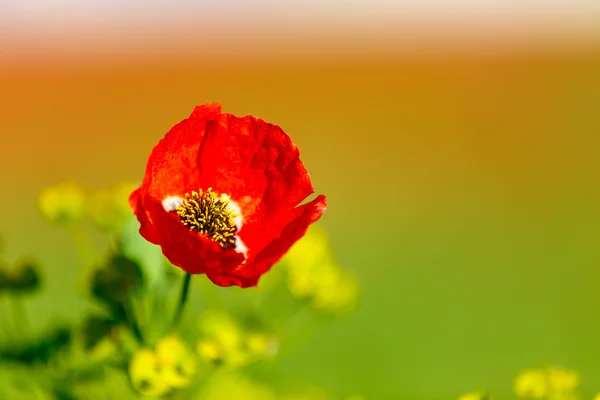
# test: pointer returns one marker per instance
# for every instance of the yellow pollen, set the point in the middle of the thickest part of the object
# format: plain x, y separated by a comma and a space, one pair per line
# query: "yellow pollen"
207, 213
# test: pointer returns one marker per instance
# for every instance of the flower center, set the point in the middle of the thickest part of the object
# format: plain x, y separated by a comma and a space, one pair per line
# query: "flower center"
207, 213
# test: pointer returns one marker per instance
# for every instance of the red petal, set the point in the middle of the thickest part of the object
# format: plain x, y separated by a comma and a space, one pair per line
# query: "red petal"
258, 165
146, 228
247, 274
252, 161
189, 250
172, 167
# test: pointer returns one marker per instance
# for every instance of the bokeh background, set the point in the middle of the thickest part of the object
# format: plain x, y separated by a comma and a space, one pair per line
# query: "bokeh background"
458, 143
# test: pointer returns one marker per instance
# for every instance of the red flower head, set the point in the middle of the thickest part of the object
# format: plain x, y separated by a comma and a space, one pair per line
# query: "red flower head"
221, 196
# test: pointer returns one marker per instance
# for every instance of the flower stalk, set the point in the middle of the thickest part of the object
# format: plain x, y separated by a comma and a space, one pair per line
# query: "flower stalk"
183, 296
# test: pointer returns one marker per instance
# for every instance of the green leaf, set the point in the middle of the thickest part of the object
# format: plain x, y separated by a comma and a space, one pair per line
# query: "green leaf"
149, 256
21, 280
17, 382
95, 328
30, 351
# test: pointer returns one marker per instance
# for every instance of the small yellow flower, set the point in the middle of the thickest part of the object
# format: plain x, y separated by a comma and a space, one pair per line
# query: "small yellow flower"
339, 296
176, 360
223, 336
223, 329
225, 342
597, 397
262, 345
209, 350
562, 380
62, 204
475, 396
311, 250
313, 273
532, 384
146, 374
155, 373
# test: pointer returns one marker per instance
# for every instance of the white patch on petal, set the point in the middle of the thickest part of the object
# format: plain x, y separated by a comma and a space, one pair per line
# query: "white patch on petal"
238, 219
240, 247
171, 203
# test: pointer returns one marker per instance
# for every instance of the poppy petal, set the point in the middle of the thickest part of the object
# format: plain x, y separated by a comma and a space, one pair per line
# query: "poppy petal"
172, 166
253, 162
259, 166
146, 228
247, 274
189, 250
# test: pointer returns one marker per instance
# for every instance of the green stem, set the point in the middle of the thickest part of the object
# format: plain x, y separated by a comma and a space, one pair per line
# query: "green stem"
183, 296
133, 322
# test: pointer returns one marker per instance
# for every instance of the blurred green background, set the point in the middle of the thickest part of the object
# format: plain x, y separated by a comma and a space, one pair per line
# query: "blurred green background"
463, 191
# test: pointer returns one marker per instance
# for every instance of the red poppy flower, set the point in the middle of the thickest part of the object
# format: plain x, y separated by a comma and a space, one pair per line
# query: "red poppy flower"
221, 196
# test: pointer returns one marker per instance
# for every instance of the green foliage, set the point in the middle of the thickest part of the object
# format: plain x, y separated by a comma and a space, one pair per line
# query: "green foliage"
39, 349
127, 345
24, 279
95, 328
148, 256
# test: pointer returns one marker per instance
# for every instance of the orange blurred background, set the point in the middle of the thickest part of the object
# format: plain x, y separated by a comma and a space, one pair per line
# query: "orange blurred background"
458, 146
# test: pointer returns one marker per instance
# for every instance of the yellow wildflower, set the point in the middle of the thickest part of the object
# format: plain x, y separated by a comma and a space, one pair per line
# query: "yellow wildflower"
262, 345
532, 384
475, 396
222, 337
338, 296
155, 373
177, 361
209, 350
222, 328
314, 274
562, 380
62, 204
224, 341
146, 374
